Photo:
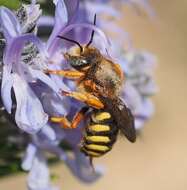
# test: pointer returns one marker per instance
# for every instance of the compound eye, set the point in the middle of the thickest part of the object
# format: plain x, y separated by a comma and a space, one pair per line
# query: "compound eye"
83, 62
77, 62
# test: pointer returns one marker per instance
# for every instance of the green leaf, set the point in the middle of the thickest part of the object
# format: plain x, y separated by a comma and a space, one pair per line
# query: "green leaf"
12, 4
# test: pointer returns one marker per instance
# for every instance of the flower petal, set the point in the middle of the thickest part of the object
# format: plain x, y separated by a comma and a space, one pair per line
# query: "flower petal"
28, 16
144, 113
146, 110
6, 86
131, 97
9, 23
29, 157
64, 14
81, 168
39, 176
103, 38
49, 132
14, 49
29, 115
43, 143
47, 80
54, 105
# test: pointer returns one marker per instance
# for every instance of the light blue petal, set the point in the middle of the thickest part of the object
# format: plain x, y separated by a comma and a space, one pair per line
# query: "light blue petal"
47, 80
12, 56
42, 142
146, 110
131, 97
121, 39
49, 132
39, 176
103, 38
144, 113
61, 19
29, 115
55, 105
29, 157
81, 168
9, 23
65, 13
101, 34
6, 86
14, 48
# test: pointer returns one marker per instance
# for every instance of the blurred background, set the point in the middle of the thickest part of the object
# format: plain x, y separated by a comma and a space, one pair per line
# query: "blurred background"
158, 160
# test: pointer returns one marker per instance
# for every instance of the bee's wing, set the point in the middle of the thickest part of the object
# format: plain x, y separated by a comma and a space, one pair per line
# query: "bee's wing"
125, 121
122, 116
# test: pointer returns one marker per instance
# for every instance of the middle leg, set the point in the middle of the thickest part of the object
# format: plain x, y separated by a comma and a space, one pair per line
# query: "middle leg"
87, 98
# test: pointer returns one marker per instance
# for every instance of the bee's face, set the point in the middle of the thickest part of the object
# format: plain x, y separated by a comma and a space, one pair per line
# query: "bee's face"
82, 59
77, 62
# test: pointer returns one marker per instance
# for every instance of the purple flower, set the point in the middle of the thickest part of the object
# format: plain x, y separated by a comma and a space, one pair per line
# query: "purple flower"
14, 75
19, 76
37, 94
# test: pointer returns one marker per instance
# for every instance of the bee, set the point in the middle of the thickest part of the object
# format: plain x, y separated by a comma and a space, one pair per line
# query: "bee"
99, 82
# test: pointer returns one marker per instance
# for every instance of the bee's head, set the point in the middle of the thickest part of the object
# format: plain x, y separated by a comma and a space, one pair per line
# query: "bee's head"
80, 60
84, 56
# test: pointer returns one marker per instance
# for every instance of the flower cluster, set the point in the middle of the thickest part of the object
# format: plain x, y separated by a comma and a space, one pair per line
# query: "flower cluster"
31, 96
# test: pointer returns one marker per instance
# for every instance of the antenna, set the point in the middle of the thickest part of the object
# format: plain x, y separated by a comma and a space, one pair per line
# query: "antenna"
73, 41
92, 34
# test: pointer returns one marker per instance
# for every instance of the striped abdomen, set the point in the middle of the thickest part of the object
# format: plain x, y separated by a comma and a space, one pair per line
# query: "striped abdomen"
100, 134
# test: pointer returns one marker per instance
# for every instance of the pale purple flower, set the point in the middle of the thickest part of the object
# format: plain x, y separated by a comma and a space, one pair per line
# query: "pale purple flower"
15, 75
37, 94
47, 139
140, 84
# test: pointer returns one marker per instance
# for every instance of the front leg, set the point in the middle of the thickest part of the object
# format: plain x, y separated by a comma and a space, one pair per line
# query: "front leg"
87, 98
66, 73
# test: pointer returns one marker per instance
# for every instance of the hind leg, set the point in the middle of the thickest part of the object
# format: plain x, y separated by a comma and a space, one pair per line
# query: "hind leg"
79, 116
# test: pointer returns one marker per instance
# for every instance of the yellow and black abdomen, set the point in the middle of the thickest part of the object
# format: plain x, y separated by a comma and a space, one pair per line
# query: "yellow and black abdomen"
100, 134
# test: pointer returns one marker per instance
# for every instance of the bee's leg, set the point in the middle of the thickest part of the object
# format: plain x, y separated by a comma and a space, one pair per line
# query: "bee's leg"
61, 120
91, 84
66, 73
91, 163
119, 71
87, 98
79, 116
